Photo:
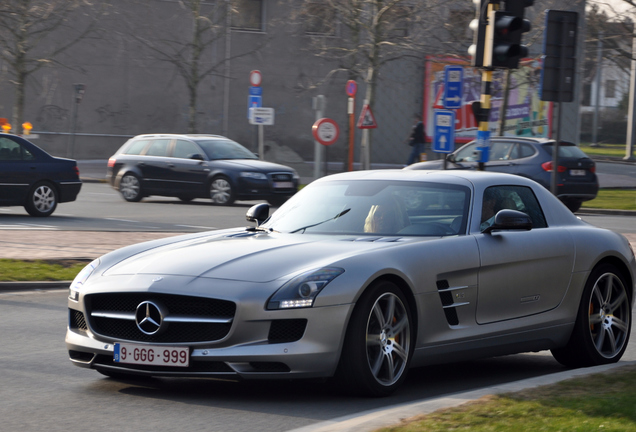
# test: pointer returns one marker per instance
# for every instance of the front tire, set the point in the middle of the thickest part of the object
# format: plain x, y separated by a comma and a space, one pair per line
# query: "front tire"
42, 200
379, 342
130, 188
221, 191
603, 324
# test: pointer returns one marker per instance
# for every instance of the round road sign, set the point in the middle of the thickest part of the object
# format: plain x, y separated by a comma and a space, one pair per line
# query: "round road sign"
352, 88
325, 131
256, 78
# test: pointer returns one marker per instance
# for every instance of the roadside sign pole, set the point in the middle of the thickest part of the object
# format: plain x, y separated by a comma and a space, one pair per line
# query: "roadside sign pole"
352, 88
319, 103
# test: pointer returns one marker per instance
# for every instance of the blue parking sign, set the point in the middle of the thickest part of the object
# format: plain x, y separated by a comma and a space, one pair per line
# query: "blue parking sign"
453, 87
444, 131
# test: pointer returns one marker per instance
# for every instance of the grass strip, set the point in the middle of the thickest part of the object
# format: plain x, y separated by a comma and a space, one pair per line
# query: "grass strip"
617, 199
600, 402
39, 270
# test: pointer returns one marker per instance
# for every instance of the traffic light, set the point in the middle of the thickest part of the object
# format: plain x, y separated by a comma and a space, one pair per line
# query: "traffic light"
508, 28
478, 26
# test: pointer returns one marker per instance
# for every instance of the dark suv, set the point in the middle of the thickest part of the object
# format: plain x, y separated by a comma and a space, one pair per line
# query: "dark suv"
532, 158
197, 166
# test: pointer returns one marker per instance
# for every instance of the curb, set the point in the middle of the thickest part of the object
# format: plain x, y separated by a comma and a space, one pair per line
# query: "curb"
607, 212
41, 285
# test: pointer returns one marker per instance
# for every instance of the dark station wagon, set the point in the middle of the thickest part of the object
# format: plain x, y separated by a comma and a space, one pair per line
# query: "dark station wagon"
197, 166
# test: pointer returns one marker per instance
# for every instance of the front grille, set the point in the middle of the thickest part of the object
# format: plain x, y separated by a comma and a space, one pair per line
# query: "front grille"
284, 331
281, 177
76, 320
193, 311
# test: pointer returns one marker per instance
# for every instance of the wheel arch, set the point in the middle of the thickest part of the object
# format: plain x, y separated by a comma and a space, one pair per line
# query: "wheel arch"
125, 170
625, 272
405, 288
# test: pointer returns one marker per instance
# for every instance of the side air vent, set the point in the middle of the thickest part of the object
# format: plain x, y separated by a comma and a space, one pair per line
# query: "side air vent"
447, 297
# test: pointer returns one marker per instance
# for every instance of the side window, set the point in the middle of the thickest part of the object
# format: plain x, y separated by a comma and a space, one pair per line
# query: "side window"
185, 149
136, 147
525, 150
159, 147
500, 151
519, 198
466, 154
9, 150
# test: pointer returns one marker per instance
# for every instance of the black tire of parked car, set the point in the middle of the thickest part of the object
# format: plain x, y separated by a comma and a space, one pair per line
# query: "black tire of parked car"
379, 343
42, 200
221, 191
130, 188
603, 324
573, 205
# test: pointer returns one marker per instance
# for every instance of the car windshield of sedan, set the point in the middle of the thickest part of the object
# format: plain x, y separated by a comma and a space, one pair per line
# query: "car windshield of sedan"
225, 149
370, 207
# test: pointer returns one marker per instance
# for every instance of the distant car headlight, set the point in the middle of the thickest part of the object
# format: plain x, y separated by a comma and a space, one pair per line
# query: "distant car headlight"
301, 291
82, 276
253, 175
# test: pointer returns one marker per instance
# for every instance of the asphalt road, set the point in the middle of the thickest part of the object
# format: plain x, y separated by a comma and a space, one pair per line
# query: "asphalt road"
42, 390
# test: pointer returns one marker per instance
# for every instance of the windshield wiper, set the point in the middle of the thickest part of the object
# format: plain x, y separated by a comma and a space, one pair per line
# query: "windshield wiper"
342, 213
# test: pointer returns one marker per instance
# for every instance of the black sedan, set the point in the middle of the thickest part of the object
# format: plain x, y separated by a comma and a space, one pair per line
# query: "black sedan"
32, 178
197, 166
531, 158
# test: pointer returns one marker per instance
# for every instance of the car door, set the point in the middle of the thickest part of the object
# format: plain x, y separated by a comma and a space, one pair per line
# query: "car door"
189, 172
522, 272
155, 169
18, 170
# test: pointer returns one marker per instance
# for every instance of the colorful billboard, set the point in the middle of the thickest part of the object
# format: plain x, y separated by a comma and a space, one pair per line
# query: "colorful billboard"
526, 114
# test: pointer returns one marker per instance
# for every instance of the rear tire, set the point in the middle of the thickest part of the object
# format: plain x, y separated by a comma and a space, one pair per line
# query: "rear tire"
130, 188
42, 200
379, 343
573, 205
603, 324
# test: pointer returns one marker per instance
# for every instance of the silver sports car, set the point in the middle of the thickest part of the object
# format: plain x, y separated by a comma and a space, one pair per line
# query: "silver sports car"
360, 276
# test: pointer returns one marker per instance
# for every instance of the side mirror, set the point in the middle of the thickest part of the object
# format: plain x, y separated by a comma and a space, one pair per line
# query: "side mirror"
258, 213
197, 156
510, 220
450, 157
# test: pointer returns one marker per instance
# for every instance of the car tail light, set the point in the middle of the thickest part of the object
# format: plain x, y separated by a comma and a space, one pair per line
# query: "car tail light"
593, 169
111, 162
547, 166
76, 169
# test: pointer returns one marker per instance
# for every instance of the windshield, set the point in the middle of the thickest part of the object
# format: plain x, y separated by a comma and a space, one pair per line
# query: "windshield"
225, 149
370, 207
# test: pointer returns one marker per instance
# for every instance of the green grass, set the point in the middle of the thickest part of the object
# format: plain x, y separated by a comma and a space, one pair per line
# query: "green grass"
617, 199
607, 150
601, 402
39, 270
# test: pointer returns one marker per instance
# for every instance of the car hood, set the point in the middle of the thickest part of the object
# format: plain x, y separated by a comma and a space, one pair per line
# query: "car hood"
244, 256
253, 165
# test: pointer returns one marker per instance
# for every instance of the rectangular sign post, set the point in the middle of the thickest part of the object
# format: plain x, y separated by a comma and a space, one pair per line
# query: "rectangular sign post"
453, 87
261, 117
444, 138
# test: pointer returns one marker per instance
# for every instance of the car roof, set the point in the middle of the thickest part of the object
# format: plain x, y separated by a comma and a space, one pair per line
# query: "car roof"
466, 177
186, 136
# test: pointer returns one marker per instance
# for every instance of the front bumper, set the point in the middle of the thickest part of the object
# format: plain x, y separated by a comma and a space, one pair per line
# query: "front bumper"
249, 351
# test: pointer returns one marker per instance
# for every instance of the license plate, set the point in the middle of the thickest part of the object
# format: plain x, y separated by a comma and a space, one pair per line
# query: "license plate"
283, 185
151, 355
578, 172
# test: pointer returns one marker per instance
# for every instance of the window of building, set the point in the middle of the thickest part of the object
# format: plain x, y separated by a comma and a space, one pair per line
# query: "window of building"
586, 100
248, 15
320, 19
395, 22
610, 88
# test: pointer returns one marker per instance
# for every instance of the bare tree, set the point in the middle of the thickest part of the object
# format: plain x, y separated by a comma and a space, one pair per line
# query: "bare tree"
187, 39
364, 35
30, 38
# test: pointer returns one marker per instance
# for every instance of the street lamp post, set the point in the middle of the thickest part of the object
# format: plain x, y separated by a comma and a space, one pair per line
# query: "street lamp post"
77, 97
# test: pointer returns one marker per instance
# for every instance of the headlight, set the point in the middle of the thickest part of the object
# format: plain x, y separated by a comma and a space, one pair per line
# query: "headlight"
301, 291
254, 175
82, 276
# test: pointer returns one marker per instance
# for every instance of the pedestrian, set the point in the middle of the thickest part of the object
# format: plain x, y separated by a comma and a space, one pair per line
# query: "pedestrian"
416, 140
